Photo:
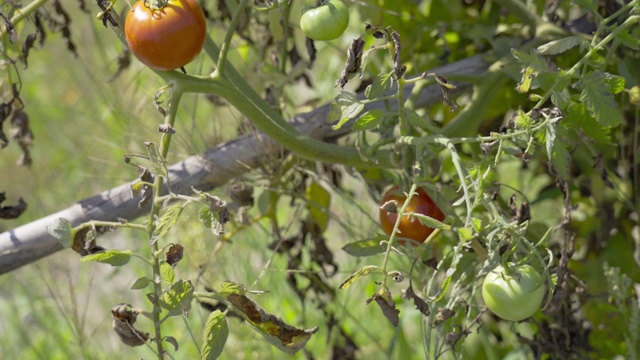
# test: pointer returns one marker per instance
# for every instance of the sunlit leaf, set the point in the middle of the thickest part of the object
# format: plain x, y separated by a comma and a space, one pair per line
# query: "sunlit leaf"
366, 270
167, 220
214, 337
369, 120
167, 274
177, 300
111, 257
382, 83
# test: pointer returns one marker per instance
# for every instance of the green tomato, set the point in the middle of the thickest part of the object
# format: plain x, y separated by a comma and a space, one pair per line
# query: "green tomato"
513, 295
325, 22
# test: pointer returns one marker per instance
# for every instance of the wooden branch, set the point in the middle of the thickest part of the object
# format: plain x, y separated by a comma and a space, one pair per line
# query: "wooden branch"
215, 167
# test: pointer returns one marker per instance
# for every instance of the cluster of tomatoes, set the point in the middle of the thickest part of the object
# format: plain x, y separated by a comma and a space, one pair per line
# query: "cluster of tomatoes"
513, 293
168, 34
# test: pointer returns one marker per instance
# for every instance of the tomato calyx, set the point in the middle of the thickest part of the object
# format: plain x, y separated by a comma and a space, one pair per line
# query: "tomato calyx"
155, 4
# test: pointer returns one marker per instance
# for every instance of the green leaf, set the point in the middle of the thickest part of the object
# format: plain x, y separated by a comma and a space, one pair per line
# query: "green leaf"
214, 337
158, 163
561, 45
369, 120
577, 117
210, 220
345, 107
62, 230
561, 159
365, 247
141, 283
627, 39
524, 85
522, 120
167, 220
369, 269
531, 59
465, 233
381, 84
167, 274
177, 300
615, 83
431, 222
318, 202
599, 100
230, 287
111, 257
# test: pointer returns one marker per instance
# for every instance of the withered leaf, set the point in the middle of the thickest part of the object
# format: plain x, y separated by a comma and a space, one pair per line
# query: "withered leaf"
124, 316
174, 254
285, 337
420, 304
387, 305
12, 212
354, 60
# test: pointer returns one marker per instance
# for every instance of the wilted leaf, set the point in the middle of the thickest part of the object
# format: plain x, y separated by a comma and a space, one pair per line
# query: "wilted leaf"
420, 304
215, 334
211, 220
174, 254
366, 270
283, 336
124, 316
353, 63
62, 230
387, 305
111, 257
365, 247
171, 340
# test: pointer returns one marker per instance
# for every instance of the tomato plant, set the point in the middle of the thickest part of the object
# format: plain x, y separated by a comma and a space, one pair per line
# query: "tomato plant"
514, 294
166, 35
409, 227
326, 21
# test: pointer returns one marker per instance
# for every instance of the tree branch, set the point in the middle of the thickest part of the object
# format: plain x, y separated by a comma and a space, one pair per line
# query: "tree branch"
215, 167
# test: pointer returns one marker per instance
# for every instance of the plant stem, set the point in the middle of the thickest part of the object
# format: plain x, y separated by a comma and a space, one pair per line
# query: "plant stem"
156, 206
21, 14
271, 123
224, 49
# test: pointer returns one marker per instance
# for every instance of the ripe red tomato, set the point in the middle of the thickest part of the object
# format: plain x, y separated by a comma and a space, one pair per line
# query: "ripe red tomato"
410, 227
168, 37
